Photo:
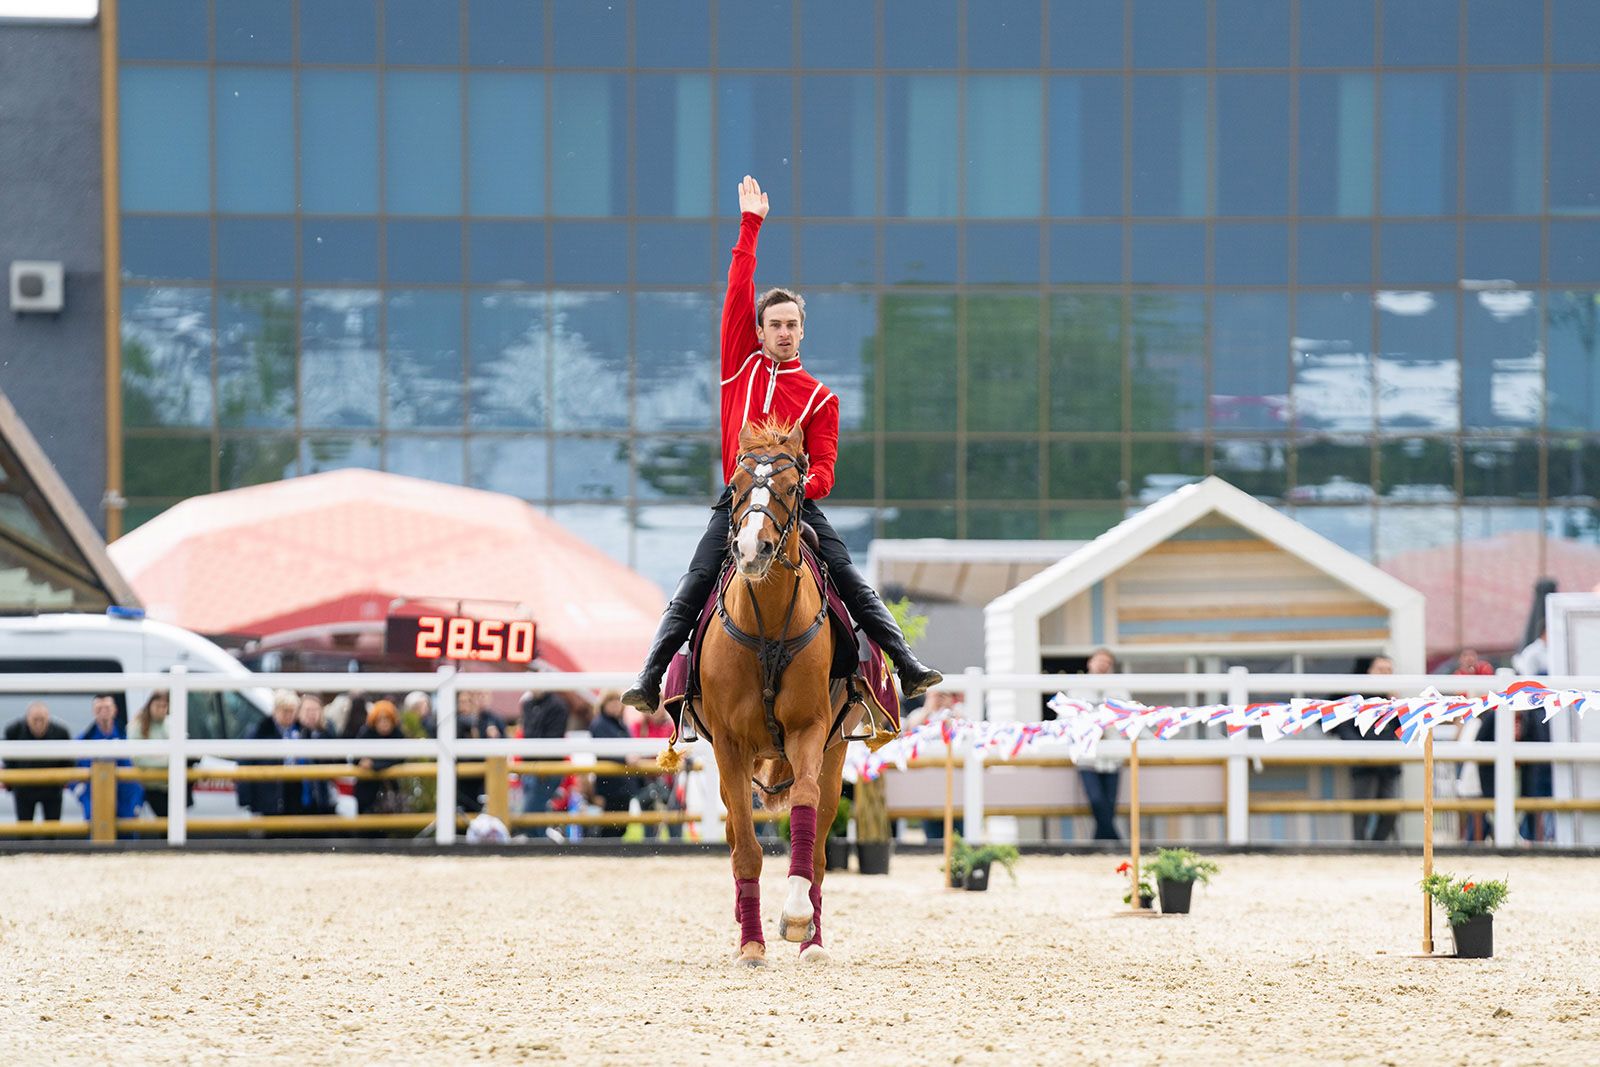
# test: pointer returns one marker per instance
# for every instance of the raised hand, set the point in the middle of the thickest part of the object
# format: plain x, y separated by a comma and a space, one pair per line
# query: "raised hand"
751, 198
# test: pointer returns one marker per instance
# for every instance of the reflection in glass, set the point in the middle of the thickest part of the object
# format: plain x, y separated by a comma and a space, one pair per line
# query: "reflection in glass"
1333, 388
1419, 144
1418, 470
855, 471
838, 253
664, 537
330, 453
167, 466
1169, 33
590, 468
1575, 250
840, 350
1504, 31
1419, 378
1420, 32
1573, 390
672, 131
1503, 370
339, 358
1168, 362
750, 142
255, 460
1505, 143
338, 31
1417, 253
919, 33
165, 139
589, 35
423, 251
839, 119
1250, 350
676, 372
338, 141
1575, 32
255, 249
672, 33
508, 380
1333, 470
604, 527
1003, 33
587, 143
339, 250
1419, 546
1086, 33
166, 246
1500, 467
919, 353
252, 31
1252, 147
1002, 363
1574, 469
505, 33
1574, 151
1169, 145
1085, 470
919, 252
506, 252
587, 253
1086, 146
838, 33
513, 465
1162, 467
1006, 524
1086, 252
919, 470
671, 253
176, 29
1348, 526
1259, 467
1167, 253
417, 32
1080, 523
919, 522
1003, 470
1335, 131
759, 37
1004, 156
166, 357
424, 386
1495, 251
919, 153
677, 467
1002, 253
1085, 362
1252, 34
438, 459
1250, 253
1336, 33
505, 144
255, 140
589, 350
256, 351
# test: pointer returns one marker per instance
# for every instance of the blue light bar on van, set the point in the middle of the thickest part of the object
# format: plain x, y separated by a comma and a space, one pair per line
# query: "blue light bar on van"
117, 611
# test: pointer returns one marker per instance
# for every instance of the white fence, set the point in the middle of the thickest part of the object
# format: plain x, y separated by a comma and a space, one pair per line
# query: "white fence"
1238, 687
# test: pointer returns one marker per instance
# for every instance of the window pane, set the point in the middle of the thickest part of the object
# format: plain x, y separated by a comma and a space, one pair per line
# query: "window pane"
1418, 470
438, 459
1003, 33
1419, 379
255, 140
1336, 174
338, 31
838, 253
339, 358
676, 467
917, 252
1504, 369
1168, 362
673, 131
672, 253
1333, 470
841, 350
423, 252
1333, 253
589, 345
1086, 253
1252, 144
256, 354
1574, 251
1417, 253
1336, 33
919, 522
1574, 473
1505, 143
505, 144
838, 33
1500, 250
165, 139
1505, 31
1420, 32
166, 357
1252, 33
672, 33
163, 29
749, 142
919, 153
1419, 144
839, 119
1085, 470
1002, 147
759, 37
1000, 253
1169, 33
243, 461
1417, 545
664, 537
505, 33
513, 465
338, 141
1169, 145
855, 472
1086, 146
1168, 253
1162, 467
423, 385
1250, 346
1500, 468
166, 247
510, 361
1574, 151
590, 468
1332, 387
1080, 523
1002, 363
589, 253
253, 249
506, 251
919, 335
422, 32
1248, 253
589, 34
339, 250
167, 465
1573, 383
422, 142
1575, 32
605, 528
1085, 362
1086, 33
919, 33
1260, 468
328, 453
254, 31
1003, 470
588, 144
675, 371
919, 470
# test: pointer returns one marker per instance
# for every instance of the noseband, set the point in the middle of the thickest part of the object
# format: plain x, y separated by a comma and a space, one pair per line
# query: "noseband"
752, 463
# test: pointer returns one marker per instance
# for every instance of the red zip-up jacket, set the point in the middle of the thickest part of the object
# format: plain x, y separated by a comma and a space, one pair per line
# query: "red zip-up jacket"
755, 388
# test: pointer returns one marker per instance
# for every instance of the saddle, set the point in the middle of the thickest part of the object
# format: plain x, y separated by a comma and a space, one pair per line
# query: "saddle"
859, 665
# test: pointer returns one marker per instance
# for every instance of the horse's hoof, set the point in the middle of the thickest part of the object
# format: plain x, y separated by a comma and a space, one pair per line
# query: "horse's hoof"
752, 954
797, 931
815, 954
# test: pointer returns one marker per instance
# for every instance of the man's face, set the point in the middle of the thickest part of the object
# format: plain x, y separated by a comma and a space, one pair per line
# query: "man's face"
283, 715
1469, 659
1100, 663
38, 719
105, 712
781, 330
1381, 665
310, 713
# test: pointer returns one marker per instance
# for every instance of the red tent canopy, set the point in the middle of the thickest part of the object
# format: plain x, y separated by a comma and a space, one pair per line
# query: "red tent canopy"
338, 547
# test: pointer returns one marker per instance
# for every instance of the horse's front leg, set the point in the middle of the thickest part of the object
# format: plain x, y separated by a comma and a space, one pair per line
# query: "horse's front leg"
832, 777
733, 773
805, 756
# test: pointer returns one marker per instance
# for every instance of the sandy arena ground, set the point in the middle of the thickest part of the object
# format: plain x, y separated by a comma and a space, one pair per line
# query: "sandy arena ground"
356, 959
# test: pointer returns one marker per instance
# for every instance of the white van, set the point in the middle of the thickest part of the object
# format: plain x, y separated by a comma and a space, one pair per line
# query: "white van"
103, 644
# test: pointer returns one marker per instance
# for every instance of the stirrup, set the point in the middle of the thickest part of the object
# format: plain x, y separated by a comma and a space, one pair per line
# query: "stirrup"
854, 697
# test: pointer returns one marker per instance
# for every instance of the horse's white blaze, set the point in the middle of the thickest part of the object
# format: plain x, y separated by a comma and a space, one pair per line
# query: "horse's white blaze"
763, 469
797, 905
749, 539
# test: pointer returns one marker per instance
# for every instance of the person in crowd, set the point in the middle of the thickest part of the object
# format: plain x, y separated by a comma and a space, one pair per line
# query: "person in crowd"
150, 724
1470, 663
418, 708
544, 715
130, 795
613, 791
269, 798
658, 792
1372, 781
308, 796
37, 725
1101, 776
380, 796
469, 726
355, 717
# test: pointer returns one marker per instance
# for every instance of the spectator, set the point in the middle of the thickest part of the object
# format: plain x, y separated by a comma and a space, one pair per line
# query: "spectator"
1101, 776
544, 715
268, 798
130, 796
381, 796
150, 724
613, 791
1372, 781
308, 796
469, 726
37, 725
418, 709
1469, 663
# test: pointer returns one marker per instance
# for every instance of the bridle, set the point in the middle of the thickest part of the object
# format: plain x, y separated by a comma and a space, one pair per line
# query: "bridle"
775, 463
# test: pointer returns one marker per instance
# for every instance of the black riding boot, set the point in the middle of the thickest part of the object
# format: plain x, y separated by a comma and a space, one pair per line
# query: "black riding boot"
875, 620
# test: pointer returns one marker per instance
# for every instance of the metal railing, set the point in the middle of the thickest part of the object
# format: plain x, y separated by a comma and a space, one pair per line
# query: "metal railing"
1234, 754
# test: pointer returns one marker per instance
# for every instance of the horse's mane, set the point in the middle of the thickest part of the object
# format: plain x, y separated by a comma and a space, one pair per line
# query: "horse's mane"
766, 433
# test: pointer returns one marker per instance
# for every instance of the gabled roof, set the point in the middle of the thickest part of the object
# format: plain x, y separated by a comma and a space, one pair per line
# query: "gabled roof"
1133, 537
51, 556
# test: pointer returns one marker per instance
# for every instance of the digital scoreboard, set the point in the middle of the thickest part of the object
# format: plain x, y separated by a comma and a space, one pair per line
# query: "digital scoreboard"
460, 638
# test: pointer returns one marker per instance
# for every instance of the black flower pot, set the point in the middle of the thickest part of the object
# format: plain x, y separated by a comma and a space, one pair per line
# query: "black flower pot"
1174, 896
1475, 937
838, 853
978, 878
957, 878
872, 857
1146, 900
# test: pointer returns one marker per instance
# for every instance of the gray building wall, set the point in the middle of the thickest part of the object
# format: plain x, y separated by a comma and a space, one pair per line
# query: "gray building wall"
53, 367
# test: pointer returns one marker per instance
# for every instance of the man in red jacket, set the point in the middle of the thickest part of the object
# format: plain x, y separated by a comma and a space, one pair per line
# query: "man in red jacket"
762, 379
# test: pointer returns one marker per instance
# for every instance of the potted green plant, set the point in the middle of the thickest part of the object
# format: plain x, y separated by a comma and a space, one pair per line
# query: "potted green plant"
837, 845
1147, 893
983, 857
1175, 871
1470, 906
873, 845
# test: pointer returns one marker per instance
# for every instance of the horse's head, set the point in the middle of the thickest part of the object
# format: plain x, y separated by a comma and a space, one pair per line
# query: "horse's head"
769, 487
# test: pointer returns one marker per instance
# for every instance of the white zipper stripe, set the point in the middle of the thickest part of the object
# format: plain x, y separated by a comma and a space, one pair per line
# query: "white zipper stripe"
742, 366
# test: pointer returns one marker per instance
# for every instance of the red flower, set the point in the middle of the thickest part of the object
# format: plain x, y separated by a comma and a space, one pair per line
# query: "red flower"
1125, 868
1467, 885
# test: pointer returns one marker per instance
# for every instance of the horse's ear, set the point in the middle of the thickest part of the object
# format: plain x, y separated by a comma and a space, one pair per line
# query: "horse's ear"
747, 436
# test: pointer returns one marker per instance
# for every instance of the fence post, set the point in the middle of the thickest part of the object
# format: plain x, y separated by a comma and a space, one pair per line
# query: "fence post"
497, 789
177, 765
103, 800
972, 817
706, 780
1505, 779
444, 786
1238, 772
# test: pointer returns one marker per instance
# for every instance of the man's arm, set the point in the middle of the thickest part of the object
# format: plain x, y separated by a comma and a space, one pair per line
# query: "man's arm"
822, 446
739, 306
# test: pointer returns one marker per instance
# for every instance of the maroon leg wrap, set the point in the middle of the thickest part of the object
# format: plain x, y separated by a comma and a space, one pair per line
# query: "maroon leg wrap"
802, 841
747, 909
816, 916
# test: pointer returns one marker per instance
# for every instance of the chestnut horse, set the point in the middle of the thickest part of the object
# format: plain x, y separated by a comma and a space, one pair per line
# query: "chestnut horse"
766, 704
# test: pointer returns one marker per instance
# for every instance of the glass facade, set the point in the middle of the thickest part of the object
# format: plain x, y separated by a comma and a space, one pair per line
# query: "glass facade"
1062, 256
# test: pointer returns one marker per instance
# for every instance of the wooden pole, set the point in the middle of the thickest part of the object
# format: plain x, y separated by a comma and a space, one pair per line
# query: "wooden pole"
949, 805
1427, 840
103, 800
1133, 823
497, 789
